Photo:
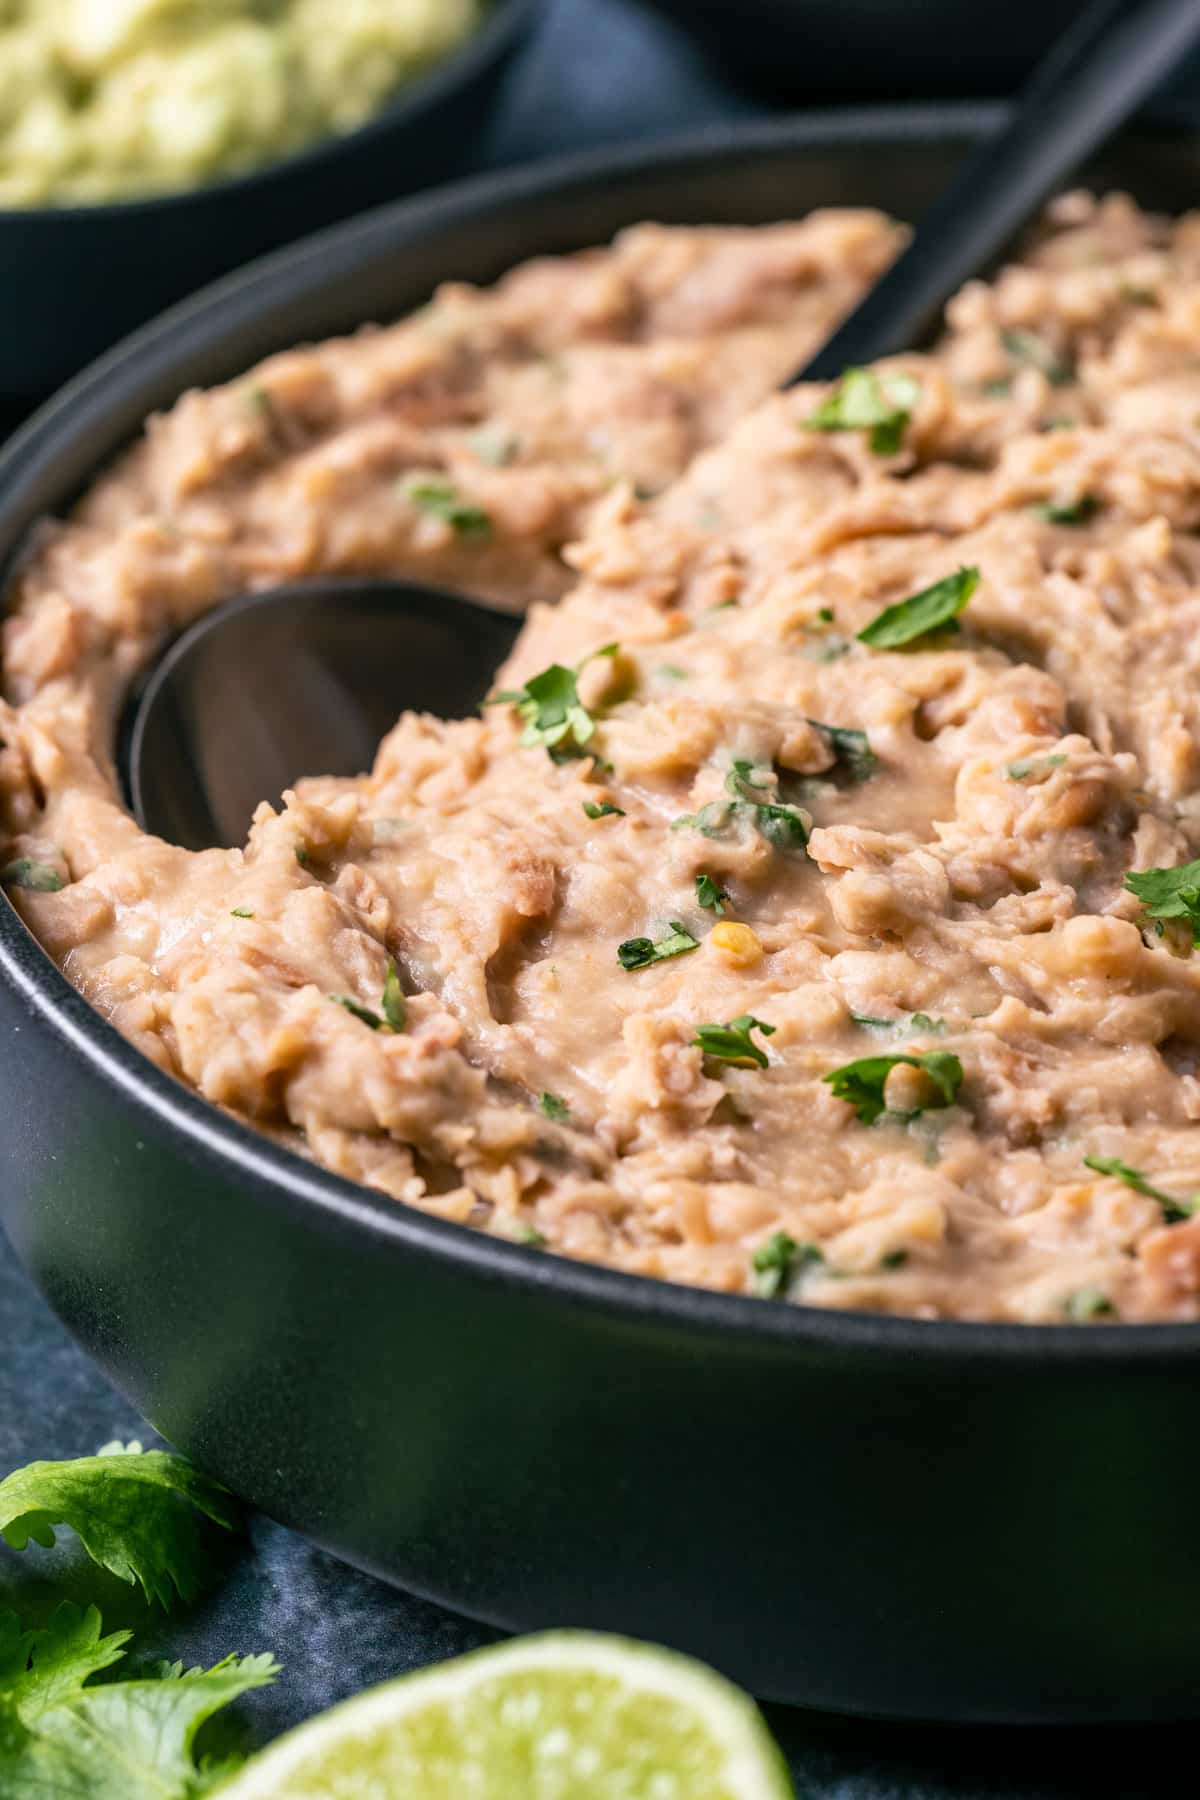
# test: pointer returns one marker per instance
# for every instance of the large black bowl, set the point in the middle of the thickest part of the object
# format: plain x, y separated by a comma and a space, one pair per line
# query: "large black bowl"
940, 1520
77, 278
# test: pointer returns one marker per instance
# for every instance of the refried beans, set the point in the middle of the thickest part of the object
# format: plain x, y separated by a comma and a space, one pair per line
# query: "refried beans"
812, 911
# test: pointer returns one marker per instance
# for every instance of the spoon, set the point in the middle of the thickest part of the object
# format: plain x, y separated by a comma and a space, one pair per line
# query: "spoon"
308, 677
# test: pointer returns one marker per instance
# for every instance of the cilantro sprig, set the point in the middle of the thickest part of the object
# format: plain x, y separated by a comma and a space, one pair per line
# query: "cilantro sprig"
866, 400
555, 717
929, 610
1169, 893
852, 752
1068, 512
861, 1084
1174, 1210
442, 500
641, 952
710, 894
37, 877
755, 788
732, 1043
393, 1013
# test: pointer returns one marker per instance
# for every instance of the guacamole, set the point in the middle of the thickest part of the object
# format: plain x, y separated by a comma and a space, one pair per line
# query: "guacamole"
113, 99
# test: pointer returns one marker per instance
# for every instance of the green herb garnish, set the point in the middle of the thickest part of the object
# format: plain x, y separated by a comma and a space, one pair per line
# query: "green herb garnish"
1169, 893
929, 610
865, 400
778, 1262
852, 753
861, 1083
710, 894
1089, 1303
640, 952
785, 827
529, 1235
1027, 347
38, 877
395, 1006
602, 809
495, 445
359, 1011
554, 715
302, 855
1173, 1210
895, 1259
712, 821
1068, 512
242, 912
919, 1021
732, 1042
442, 500
554, 1108
1032, 765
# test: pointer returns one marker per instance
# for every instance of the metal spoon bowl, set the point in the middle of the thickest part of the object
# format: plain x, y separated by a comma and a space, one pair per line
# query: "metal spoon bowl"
291, 682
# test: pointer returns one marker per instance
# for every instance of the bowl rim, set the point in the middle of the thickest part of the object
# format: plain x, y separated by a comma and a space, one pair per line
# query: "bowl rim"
281, 1175
504, 22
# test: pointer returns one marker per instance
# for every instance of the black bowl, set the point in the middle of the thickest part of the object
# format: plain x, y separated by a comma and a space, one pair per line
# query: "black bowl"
78, 278
925, 1519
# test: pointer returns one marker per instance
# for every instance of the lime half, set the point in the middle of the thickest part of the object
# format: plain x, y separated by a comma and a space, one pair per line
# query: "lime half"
564, 1716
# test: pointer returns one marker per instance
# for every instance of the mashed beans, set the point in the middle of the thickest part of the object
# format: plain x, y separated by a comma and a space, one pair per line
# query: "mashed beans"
775, 932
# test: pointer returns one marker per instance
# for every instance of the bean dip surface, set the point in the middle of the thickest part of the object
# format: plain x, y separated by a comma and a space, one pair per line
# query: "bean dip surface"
810, 913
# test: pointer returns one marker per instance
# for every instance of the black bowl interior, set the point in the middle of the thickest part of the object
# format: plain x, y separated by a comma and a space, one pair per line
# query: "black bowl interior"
884, 1515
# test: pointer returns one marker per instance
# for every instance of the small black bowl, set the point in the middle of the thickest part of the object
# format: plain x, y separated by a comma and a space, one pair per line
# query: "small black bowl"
78, 278
937, 1520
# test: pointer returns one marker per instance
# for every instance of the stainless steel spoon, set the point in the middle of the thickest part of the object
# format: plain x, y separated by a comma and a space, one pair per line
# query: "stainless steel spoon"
300, 679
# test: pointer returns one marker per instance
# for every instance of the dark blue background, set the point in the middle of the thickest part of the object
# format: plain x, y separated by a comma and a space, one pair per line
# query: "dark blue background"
598, 71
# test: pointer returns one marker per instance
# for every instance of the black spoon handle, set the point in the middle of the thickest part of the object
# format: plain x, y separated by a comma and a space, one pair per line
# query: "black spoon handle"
1110, 60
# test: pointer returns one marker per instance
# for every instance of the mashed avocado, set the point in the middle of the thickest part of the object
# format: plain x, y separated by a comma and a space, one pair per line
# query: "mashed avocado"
111, 99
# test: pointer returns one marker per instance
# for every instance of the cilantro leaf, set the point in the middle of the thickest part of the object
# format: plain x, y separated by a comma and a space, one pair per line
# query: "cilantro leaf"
732, 1042
1089, 1303
777, 1263
861, 1083
124, 1740
1169, 893
442, 500
784, 827
38, 877
357, 1010
40, 1670
554, 715
712, 821
553, 1107
710, 894
1173, 1210
919, 1021
395, 1006
602, 809
922, 612
1027, 347
137, 1513
866, 400
1032, 765
1068, 512
853, 755
640, 952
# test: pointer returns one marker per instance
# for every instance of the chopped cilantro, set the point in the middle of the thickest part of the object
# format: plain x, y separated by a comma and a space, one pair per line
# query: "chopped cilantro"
1032, 765
554, 715
640, 952
928, 610
712, 821
1089, 1303
825, 614
866, 400
732, 1042
895, 1259
529, 1235
442, 500
302, 855
852, 753
1173, 1210
861, 1083
395, 1006
919, 1021
1027, 347
1068, 512
778, 1262
358, 1010
602, 809
1169, 893
38, 877
242, 912
785, 827
554, 1108
710, 894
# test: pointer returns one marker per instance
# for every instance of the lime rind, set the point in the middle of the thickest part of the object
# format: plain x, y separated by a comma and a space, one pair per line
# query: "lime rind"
559, 1716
